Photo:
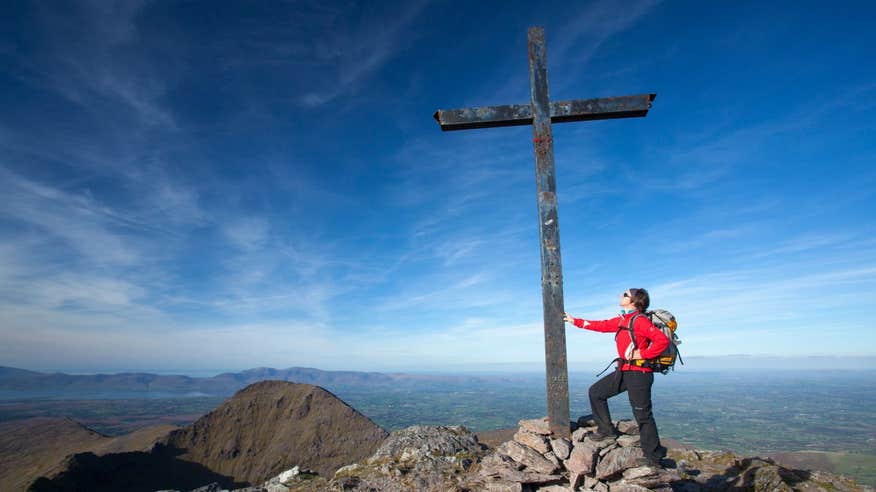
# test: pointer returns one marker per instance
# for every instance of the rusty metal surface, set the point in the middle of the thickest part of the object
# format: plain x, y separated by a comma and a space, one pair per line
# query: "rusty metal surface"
560, 112
549, 233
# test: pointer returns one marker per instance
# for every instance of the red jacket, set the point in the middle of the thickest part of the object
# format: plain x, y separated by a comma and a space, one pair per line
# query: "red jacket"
650, 341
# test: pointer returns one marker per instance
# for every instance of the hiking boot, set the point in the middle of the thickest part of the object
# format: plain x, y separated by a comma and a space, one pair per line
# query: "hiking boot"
661, 451
599, 436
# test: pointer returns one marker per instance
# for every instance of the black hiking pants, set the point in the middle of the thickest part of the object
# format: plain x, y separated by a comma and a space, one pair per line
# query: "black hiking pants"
638, 387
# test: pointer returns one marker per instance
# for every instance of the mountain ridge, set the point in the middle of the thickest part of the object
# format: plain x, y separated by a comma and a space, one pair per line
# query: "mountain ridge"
22, 383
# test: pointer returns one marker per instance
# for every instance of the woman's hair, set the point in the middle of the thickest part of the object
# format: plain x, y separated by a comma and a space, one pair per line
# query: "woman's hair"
640, 299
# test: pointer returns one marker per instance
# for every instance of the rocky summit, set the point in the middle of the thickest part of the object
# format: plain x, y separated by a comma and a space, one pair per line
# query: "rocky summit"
285, 437
450, 459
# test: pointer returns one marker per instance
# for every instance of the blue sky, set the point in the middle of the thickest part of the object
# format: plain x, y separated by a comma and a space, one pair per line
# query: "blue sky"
190, 186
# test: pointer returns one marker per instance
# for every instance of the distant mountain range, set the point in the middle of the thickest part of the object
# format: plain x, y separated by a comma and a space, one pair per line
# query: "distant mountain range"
20, 382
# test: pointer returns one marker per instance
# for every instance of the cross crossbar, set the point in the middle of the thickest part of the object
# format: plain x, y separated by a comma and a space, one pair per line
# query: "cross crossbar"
561, 112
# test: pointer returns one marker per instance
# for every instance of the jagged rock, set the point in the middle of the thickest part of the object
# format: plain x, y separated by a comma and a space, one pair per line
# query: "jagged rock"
638, 472
295, 474
617, 460
503, 467
536, 426
581, 462
578, 434
582, 459
346, 483
417, 458
213, 487
628, 427
346, 470
601, 444
537, 442
607, 449
527, 457
657, 479
627, 487
554, 488
626, 441
287, 479
501, 486
289, 475
497, 464
550, 456
427, 442
591, 484
762, 476
561, 447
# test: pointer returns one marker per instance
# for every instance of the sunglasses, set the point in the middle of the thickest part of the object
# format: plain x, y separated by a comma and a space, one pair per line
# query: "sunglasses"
626, 294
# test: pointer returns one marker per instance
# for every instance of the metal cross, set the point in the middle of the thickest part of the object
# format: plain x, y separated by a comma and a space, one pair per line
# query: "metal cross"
540, 113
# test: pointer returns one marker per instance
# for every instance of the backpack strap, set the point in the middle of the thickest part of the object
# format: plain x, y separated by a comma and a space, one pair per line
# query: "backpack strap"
609, 365
630, 328
632, 337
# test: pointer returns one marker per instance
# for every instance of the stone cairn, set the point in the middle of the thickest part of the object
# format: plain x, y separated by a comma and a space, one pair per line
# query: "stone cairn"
534, 461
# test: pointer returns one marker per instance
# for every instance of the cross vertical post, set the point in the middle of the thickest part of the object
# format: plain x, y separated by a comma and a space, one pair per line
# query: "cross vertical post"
541, 113
557, 374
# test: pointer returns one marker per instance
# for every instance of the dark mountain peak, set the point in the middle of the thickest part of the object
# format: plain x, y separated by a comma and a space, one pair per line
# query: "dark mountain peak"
270, 425
295, 398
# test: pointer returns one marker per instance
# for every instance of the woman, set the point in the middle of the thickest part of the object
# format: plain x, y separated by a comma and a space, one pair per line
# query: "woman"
635, 379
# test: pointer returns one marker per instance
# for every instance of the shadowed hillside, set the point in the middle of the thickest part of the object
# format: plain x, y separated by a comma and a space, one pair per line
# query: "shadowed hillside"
257, 433
269, 425
38, 447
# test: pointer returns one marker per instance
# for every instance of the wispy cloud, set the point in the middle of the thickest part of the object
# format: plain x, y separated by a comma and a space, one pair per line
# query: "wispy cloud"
458, 292
715, 151
89, 60
78, 222
807, 242
575, 42
358, 51
248, 234
597, 22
